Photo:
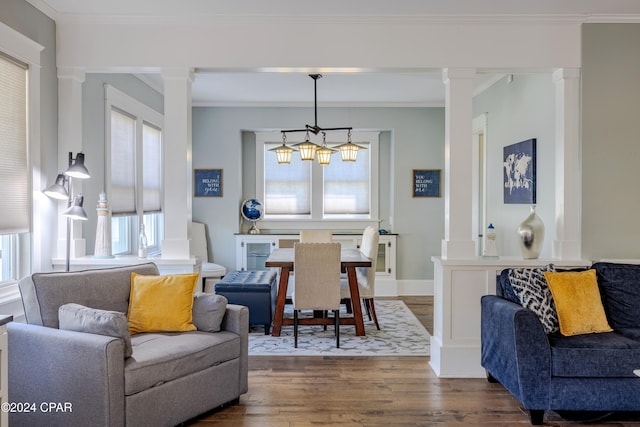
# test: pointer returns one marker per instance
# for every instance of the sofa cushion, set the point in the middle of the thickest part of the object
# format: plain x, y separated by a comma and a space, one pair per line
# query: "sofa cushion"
530, 287
161, 303
208, 311
620, 288
578, 302
76, 317
105, 289
608, 354
161, 357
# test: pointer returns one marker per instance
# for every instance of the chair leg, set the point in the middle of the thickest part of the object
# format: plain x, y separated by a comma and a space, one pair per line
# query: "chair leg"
371, 308
295, 328
367, 308
347, 303
337, 320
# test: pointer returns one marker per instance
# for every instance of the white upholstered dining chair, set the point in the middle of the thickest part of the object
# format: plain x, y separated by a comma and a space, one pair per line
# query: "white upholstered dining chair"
317, 284
208, 270
366, 275
316, 236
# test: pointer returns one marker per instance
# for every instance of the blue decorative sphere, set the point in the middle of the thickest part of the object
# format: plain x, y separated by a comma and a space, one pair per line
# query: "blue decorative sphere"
252, 210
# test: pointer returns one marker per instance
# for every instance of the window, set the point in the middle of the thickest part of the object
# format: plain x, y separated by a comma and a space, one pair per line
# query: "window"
14, 170
304, 190
135, 172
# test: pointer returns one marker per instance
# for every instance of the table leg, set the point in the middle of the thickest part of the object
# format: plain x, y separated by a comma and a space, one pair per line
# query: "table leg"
355, 301
280, 301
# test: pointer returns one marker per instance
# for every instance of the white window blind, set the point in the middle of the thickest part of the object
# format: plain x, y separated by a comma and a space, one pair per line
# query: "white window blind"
346, 185
123, 163
14, 171
287, 187
151, 168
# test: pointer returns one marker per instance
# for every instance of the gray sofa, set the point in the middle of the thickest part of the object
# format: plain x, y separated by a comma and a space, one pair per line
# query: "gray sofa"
169, 378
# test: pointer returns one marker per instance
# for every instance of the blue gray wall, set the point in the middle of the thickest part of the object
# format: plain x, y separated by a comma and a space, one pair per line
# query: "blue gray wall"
93, 134
412, 138
26, 19
611, 141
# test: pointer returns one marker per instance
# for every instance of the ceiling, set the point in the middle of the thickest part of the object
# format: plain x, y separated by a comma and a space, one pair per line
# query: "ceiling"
337, 87
334, 88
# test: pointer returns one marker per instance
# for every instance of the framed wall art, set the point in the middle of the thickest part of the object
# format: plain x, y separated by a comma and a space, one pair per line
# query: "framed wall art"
519, 167
426, 182
207, 182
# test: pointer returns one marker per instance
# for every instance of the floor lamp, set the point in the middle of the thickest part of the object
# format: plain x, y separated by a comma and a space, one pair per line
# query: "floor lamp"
62, 189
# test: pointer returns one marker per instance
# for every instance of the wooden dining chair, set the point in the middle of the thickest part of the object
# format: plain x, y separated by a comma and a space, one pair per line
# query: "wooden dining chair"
316, 236
317, 284
366, 275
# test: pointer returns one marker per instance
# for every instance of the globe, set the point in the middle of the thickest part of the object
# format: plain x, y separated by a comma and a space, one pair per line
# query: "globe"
252, 210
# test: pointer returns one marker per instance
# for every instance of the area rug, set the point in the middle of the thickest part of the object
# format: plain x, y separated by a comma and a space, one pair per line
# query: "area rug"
400, 334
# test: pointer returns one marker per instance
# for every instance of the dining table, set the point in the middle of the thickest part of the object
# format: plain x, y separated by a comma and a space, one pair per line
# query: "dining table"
350, 259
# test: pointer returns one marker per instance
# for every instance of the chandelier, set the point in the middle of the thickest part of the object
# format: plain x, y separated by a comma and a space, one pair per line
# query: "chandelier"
309, 150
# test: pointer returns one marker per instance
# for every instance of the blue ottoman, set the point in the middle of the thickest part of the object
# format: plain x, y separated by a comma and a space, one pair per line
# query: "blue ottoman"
255, 289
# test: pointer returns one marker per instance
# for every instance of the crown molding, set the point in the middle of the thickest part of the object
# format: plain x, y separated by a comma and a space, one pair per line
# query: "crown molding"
44, 7
219, 19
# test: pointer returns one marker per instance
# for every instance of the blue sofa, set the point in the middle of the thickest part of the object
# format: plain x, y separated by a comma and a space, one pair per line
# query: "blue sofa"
567, 374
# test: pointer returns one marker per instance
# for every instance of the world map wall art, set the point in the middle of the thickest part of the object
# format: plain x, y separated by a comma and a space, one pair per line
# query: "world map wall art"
519, 166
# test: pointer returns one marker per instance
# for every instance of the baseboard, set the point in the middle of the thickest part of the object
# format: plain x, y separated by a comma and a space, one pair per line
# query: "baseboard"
394, 288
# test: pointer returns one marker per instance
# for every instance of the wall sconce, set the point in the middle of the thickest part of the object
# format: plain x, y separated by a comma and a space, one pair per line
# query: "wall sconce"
62, 189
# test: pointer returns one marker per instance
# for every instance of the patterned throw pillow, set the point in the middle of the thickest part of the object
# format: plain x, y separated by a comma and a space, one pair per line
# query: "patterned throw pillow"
530, 286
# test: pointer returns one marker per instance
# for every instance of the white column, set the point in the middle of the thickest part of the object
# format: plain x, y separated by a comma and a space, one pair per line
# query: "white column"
458, 192
178, 187
567, 243
70, 82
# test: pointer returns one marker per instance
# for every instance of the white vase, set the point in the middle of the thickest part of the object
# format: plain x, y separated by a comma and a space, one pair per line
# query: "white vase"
531, 235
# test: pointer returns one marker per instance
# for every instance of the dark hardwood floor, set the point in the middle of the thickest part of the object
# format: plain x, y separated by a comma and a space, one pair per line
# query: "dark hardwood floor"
373, 391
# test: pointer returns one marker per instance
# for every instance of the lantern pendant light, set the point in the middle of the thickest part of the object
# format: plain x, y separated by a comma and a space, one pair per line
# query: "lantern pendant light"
307, 148
283, 152
324, 153
349, 151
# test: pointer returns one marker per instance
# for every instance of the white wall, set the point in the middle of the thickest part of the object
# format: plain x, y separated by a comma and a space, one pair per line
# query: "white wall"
518, 111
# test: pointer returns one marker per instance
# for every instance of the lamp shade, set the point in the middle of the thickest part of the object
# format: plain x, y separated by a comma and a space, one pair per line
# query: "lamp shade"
57, 190
307, 149
324, 153
76, 211
283, 153
349, 152
78, 169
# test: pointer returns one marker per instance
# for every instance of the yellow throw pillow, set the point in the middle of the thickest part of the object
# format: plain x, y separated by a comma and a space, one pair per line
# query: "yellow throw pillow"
161, 303
578, 302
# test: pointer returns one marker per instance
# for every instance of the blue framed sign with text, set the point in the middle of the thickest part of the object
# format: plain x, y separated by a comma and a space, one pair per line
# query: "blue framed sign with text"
207, 182
426, 183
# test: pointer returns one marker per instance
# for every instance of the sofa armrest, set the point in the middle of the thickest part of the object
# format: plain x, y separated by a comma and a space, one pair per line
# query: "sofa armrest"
236, 319
516, 351
83, 372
